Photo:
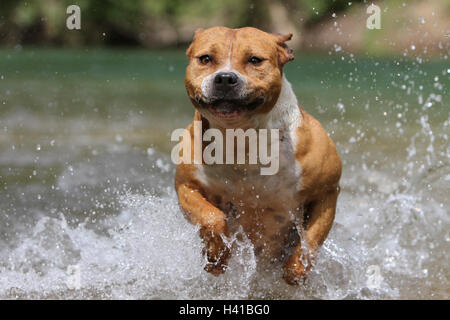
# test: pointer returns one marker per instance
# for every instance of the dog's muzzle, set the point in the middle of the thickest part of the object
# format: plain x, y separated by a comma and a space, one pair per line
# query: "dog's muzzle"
225, 93
225, 81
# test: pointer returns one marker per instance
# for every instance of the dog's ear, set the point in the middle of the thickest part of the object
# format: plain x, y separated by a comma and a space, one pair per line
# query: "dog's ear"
196, 33
285, 53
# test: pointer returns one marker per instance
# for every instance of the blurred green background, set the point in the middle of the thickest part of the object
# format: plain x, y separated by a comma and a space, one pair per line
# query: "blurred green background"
316, 24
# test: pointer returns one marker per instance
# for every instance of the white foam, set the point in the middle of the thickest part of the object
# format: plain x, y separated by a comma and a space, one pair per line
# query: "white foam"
151, 251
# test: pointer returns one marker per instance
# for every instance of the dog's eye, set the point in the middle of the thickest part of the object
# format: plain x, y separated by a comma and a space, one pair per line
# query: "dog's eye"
255, 60
205, 59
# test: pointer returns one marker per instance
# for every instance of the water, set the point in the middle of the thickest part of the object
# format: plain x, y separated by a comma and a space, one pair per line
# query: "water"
87, 203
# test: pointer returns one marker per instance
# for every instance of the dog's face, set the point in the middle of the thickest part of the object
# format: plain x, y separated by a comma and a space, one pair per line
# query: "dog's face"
234, 74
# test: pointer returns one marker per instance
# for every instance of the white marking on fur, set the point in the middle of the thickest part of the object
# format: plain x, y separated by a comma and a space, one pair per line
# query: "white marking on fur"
286, 117
245, 189
208, 81
227, 66
201, 176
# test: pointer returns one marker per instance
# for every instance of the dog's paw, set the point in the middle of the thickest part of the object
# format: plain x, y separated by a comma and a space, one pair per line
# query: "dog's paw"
215, 269
296, 269
217, 254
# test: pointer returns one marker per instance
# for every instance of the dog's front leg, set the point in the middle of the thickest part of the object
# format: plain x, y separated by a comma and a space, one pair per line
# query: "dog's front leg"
213, 227
319, 219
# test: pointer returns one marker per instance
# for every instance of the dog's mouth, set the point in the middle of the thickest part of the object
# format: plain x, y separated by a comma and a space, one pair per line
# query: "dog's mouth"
228, 108
224, 112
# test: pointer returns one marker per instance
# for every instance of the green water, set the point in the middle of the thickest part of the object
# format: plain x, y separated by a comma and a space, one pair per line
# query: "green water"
140, 96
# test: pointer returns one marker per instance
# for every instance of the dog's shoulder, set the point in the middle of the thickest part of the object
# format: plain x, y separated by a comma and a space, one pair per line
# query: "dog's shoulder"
317, 155
187, 172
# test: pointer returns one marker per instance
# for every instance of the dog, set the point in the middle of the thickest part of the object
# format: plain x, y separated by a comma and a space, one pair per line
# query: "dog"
235, 80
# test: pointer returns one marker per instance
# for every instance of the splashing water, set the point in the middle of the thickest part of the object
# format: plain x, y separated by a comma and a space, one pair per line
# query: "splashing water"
148, 250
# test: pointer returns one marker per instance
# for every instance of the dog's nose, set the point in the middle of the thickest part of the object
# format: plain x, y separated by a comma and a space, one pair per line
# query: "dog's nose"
225, 80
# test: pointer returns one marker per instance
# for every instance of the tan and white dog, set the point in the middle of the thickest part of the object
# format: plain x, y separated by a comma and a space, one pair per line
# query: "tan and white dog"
235, 80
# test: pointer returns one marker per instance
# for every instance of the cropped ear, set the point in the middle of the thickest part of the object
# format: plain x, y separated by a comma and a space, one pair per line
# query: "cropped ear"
285, 53
196, 33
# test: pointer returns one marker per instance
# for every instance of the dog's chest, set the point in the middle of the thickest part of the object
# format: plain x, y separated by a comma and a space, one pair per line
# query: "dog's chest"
264, 205
244, 185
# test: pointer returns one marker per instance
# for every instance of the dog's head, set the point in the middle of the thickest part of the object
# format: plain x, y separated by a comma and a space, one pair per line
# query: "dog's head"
234, 74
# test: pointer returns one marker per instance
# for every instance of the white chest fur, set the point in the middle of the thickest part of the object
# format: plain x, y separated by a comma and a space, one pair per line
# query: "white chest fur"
243, 185
242, 188
236, 179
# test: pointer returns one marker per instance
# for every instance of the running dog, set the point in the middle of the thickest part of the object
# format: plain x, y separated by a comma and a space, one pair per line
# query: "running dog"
235, 80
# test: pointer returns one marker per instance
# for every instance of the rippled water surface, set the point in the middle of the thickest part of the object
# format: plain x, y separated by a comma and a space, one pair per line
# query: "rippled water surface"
86, 182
